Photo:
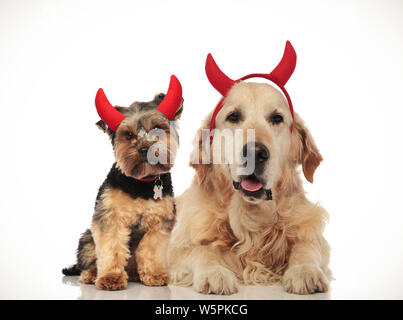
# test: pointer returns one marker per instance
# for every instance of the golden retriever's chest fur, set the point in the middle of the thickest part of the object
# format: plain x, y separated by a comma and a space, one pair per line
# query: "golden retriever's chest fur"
264, 238
255, 236
268, 245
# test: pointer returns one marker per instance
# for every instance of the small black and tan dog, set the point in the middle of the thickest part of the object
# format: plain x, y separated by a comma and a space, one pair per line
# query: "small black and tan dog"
134, 209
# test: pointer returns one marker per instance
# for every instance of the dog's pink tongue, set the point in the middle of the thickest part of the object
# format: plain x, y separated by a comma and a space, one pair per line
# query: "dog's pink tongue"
251, 185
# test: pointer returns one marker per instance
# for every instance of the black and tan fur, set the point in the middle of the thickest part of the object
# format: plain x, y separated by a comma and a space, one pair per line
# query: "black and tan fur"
130, 229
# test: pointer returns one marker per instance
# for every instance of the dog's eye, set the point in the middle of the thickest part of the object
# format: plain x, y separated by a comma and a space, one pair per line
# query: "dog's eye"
276, 118
234, 117
129, 135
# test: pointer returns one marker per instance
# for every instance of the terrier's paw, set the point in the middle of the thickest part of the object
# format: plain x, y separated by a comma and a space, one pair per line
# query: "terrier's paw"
88, 276
215, 280
112, 282
160, 279
305, 279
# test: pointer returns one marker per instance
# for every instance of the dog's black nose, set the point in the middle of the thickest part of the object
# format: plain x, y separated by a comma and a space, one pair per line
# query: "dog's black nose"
257, 152
261, 153
143, 152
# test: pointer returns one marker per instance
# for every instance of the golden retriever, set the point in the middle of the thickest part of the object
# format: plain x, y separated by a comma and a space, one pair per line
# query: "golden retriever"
228, 230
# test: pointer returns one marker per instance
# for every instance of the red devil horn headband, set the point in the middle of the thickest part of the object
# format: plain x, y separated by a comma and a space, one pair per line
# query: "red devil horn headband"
167, 107
280, 75
172, 100
286, 66
107, 113
216, 77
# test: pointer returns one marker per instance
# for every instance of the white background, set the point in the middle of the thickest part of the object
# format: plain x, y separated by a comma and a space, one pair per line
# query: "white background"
54, 55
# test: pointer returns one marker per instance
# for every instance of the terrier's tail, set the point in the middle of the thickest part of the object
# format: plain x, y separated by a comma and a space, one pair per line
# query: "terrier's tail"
73, 270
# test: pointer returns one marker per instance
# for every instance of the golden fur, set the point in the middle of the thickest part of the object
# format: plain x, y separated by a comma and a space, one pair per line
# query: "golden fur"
221, 238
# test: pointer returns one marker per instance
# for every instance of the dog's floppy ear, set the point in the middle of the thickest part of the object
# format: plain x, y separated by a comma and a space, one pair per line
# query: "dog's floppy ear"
101, 125
200, 154
104, 127
308, 155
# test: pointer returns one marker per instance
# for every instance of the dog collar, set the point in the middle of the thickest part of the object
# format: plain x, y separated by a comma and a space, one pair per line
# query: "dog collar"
148, 179
158, 186
279, 76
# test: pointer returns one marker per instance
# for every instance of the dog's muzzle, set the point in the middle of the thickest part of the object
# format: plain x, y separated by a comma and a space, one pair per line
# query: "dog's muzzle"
256, 157
252, 187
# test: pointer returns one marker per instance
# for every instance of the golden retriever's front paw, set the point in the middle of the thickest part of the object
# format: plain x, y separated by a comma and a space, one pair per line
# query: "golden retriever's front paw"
217, 280
112, 282
305, 279
181, 277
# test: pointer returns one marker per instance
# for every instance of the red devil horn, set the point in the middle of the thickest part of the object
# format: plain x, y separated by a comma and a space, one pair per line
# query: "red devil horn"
172, 100
286, 67
108, 114
216, 77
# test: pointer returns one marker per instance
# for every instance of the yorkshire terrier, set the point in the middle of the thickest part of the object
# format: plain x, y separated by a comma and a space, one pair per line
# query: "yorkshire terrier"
134, 208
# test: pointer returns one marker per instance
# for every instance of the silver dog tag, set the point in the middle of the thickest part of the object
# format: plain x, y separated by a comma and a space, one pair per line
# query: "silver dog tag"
158, 189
